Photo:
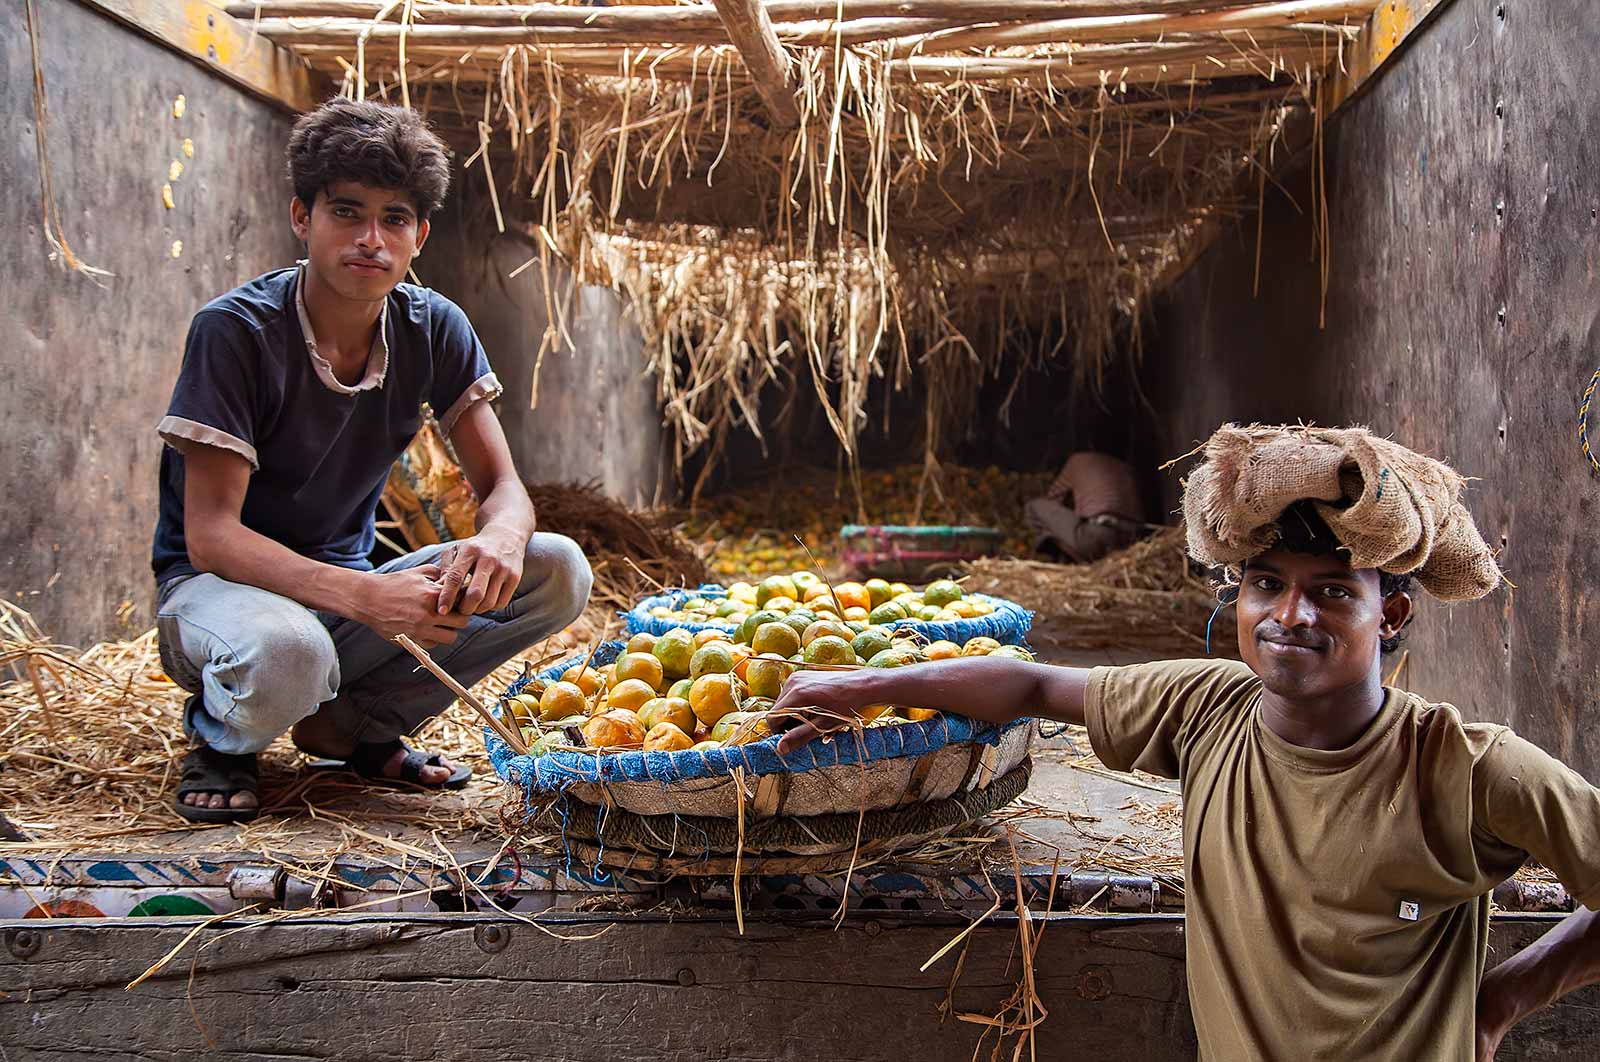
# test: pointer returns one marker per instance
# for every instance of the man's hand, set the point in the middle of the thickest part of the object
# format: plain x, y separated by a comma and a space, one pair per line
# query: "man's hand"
482, 572
406, 602
814, 703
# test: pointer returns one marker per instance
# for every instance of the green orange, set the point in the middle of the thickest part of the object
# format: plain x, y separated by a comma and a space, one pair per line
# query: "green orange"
713, 658
777, 638
829, 649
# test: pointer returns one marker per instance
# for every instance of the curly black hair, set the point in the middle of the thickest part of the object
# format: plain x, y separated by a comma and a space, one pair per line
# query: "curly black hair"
375, 144
1302, 530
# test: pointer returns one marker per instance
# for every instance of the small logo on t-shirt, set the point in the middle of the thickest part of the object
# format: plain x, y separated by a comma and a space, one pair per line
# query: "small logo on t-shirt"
1410, 910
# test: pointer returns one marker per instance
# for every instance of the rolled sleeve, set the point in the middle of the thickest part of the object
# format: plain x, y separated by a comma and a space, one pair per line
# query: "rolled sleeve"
1094, 717
1527, 798
1143, 716
216, 399
485, 388
461, 373
183, 434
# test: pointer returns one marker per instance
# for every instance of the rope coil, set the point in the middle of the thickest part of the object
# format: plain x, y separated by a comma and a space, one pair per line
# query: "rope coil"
1583, 420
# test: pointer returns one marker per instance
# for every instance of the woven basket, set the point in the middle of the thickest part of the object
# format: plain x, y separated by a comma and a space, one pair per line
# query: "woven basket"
908, 782
1008, 624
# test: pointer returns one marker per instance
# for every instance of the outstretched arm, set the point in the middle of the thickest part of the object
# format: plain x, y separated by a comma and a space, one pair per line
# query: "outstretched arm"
994, 690
1563, 960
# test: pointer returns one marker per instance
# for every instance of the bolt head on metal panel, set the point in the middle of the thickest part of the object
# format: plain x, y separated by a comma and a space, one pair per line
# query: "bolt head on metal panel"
1094, 982
491, 939
24, 943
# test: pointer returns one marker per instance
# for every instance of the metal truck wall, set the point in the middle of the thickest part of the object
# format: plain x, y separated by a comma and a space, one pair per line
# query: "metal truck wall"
1463, 313
87, 364
597, 416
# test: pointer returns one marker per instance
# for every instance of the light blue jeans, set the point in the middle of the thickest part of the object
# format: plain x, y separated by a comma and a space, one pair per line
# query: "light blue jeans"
260, 662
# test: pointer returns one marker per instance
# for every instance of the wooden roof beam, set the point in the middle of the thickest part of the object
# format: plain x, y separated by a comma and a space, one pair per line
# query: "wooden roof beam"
657, 17
751, 32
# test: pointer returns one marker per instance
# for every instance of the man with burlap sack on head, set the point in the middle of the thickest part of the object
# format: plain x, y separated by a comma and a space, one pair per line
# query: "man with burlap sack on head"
1341, 839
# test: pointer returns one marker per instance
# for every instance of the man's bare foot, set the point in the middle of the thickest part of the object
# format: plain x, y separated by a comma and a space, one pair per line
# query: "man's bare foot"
313, 736
205, 799
218, 787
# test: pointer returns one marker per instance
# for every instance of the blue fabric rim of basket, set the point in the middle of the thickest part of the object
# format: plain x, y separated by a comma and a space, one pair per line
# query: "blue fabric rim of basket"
555, 771
1008, 624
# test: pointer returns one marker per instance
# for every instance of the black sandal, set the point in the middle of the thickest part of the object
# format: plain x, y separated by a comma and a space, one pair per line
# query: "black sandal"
370, 757
205, 770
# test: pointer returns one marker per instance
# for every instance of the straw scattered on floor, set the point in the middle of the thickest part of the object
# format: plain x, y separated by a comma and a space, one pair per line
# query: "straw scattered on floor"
91, 739
1143, 598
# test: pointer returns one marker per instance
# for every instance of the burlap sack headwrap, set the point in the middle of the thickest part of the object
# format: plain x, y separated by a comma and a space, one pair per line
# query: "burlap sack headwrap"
1391, 507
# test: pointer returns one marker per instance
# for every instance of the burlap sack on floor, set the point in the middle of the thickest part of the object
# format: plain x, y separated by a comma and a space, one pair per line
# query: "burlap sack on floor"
1393, 508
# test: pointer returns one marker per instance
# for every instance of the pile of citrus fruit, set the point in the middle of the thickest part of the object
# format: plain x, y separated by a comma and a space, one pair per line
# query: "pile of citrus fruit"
803, 598
755, 529
713, 688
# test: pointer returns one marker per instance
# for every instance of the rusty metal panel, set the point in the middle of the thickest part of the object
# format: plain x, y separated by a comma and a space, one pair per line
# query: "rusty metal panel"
1389, 25
596, 418
205, 33
87, 363
1461, 317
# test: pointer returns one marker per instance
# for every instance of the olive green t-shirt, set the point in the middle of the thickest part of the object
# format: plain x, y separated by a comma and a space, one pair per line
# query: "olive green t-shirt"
1337, 903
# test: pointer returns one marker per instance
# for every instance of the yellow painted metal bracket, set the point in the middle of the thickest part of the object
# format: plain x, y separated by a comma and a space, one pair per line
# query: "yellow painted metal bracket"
1389, 25
202, 31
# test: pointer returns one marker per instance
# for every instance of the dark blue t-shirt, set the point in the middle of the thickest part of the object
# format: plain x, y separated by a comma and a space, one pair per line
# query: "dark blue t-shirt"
319, 450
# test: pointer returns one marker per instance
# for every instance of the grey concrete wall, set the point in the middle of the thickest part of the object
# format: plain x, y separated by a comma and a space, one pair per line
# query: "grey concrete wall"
597, 417
1463, 318
86, 368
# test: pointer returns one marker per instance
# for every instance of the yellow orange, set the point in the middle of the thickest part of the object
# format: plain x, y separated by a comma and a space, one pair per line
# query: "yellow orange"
642, 666
674, 710
852, 595
765, 675
740, 728
825, 627
616, 729
667, 737
712, 697
562, 699
586, 679
631, 694
714, 659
